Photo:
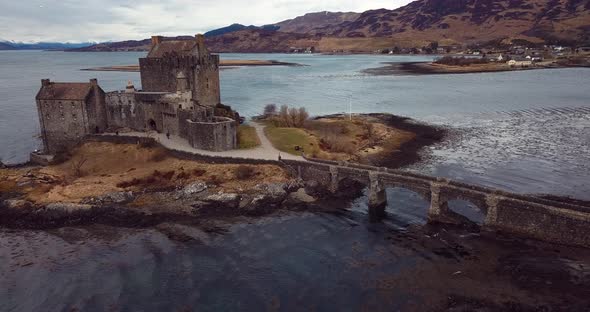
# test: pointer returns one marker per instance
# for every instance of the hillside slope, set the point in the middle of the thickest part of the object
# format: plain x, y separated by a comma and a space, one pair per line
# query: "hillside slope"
304, 24
449, 22
5, 46
466, 21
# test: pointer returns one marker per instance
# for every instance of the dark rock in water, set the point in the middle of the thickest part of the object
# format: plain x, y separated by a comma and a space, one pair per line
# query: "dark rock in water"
294, 185
299, 199
314, 188
182, 233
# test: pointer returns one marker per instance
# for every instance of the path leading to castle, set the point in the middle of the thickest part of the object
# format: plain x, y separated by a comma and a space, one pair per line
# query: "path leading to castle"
264, 151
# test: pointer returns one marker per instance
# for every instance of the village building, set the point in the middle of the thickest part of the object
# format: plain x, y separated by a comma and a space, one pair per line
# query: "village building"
520, 63
180, 96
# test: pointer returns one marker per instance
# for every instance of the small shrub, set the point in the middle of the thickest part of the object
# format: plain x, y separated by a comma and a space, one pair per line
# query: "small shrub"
61, 157
183, 175
168, 175
215, 180
198, 172
339, 144
159, 155
147, 143
244, 172
77, 166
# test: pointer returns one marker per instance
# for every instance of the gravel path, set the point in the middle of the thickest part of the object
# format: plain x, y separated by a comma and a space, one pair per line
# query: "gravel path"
264, 151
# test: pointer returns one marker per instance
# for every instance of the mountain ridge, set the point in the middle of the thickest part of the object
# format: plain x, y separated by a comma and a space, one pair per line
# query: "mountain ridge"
418, 24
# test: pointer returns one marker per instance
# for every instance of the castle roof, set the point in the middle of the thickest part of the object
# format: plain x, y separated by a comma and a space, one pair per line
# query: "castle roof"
64, 91
179, 47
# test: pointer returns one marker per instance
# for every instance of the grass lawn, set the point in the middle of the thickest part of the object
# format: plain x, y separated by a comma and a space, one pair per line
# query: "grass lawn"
247, 137
285, 140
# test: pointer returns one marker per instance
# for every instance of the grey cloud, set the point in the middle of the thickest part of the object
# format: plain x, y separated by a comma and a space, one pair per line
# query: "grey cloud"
76, 21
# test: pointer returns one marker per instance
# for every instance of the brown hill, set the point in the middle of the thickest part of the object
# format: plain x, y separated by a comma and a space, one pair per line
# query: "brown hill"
304, 24
258, 40
468, 21
449, 22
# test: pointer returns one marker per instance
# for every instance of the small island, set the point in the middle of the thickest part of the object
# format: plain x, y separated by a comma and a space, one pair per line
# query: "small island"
467, 65
222, 63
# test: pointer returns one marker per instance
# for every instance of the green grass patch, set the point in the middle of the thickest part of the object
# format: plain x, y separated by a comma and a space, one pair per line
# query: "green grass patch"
286, 139
247, 137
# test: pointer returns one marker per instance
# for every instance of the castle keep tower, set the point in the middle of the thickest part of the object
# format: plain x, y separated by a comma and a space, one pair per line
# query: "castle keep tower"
169, 58
180, 95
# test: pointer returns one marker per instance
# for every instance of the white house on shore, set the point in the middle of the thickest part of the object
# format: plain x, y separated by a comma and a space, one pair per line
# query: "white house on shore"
520, 63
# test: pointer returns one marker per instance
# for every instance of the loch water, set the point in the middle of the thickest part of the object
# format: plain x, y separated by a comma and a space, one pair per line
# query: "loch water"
525, 131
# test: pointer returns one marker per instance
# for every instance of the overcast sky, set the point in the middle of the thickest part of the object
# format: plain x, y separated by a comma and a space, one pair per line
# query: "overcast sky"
105, 20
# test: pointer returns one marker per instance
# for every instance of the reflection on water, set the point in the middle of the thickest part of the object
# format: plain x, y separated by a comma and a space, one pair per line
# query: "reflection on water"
297, 261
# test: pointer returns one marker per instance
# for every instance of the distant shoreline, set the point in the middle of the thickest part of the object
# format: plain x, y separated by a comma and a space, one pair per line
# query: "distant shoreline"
430, 68
222, 63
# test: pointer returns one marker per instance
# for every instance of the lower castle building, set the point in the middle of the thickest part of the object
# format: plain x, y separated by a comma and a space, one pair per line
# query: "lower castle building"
180, 97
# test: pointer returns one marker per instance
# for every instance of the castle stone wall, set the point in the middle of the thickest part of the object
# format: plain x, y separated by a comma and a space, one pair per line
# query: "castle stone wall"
214, 136
63, 124
124, 112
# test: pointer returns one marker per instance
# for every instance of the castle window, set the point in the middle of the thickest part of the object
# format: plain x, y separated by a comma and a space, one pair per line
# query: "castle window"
63, 116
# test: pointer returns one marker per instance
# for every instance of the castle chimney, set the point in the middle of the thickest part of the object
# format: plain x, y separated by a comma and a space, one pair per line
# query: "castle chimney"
200, 38
45, 82
94, 82
201, 44
156, 40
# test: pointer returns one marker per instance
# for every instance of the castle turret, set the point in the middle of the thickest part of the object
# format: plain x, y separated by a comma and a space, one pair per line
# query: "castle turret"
202, 50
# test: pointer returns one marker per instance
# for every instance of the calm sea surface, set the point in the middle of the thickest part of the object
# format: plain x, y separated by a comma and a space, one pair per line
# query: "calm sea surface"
524, 131
521, 131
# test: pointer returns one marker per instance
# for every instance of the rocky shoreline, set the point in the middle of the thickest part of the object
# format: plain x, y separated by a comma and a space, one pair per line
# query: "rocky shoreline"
196, 202
428, 68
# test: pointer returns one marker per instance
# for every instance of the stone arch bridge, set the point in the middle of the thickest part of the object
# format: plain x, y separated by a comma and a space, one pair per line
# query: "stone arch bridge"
533, 216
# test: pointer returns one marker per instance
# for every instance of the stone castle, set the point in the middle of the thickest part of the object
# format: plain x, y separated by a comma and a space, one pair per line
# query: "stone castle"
180, 96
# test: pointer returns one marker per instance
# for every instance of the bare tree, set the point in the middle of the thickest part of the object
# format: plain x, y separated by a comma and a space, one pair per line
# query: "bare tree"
270, 110
77, 165
302, 117
284, 116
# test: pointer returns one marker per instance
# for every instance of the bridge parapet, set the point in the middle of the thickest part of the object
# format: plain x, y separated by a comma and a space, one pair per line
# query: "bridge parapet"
529, 215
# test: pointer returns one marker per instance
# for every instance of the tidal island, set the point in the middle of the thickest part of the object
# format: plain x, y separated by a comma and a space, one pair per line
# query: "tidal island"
174, 152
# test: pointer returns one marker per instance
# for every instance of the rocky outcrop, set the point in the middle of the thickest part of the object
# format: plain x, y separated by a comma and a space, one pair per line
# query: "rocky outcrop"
195, 201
